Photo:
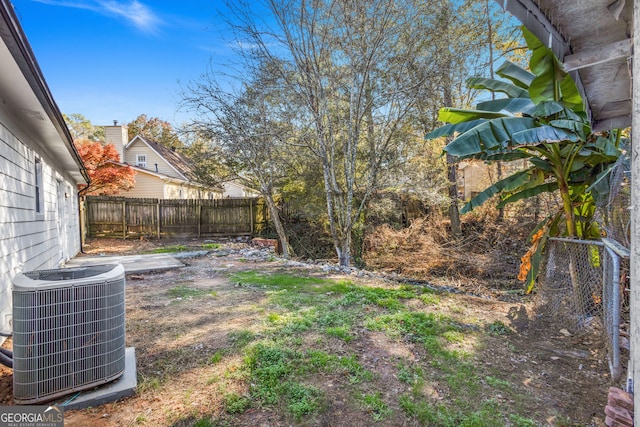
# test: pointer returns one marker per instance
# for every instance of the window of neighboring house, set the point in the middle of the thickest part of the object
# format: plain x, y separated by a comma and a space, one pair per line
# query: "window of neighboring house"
39, 189
141, 160
180, 193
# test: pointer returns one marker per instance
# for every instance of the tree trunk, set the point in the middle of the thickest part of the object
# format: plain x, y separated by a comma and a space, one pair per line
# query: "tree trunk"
275, 217
454, 213
452, 168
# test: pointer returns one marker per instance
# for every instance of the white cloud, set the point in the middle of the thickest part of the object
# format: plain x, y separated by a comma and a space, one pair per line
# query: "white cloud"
133, 12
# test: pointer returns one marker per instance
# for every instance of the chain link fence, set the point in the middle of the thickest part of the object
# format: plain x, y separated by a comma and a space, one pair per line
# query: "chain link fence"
582, 288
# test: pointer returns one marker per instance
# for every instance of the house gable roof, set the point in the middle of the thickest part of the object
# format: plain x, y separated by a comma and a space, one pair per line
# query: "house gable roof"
182, 165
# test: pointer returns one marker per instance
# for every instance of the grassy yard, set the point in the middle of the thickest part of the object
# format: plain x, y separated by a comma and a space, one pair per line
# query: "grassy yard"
227, 342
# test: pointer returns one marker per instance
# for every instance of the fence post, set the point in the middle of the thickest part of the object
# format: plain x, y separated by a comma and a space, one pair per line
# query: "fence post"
251, 216
124, 219
158, 216
199, 215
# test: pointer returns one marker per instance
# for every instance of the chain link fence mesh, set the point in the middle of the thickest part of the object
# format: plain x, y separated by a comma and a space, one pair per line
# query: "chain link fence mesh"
583, 285
570, 283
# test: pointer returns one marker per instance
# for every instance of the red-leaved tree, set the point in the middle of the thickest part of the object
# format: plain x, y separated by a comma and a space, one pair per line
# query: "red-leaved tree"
108, 177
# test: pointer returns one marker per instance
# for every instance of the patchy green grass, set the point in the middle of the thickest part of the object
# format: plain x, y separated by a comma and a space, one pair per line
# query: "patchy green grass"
377, 408
498, 328
211, 246
168, 249
183, 292
236, 404
306, 342
340, 332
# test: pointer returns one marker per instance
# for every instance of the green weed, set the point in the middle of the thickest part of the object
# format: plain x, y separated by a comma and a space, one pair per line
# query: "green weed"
453, 336
204, 422
357, 373
211, 246
497, 383
498, 328
236, 404
341, 332
519, 421
217, 357
301, 400
376, 406
429, 414
429, 299
168, 249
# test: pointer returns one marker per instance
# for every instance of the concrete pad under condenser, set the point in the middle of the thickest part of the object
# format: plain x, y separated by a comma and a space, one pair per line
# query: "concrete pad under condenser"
124, 386
131, 263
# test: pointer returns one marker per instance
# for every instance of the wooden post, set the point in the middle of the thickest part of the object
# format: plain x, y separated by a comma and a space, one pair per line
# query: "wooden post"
251, 215
124, 219
634, 362
158, 216
199, 214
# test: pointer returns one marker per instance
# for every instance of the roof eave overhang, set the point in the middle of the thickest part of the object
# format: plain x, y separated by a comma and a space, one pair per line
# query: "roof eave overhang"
37, 112
607, 115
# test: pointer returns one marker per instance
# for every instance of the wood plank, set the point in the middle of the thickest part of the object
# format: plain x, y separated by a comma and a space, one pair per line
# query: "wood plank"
599, 55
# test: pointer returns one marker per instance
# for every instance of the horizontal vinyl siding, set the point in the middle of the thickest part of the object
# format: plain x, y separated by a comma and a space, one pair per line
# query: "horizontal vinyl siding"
28, 243
172, 191
146, 186
140, 147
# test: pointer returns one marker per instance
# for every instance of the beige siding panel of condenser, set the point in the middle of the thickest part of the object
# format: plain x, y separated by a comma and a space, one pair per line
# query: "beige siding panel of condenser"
153, 159
146, 186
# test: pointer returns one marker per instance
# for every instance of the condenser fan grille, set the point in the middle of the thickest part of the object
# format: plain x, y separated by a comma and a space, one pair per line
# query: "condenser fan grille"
67, 337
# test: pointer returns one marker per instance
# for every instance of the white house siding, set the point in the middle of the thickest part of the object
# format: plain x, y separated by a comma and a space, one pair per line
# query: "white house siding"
139, 147
29, 241
178, 191
231, 189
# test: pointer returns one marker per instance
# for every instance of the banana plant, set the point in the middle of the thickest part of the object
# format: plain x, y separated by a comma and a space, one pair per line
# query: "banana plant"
539, 117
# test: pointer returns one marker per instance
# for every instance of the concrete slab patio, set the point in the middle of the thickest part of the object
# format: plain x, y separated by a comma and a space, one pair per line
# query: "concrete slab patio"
132, 263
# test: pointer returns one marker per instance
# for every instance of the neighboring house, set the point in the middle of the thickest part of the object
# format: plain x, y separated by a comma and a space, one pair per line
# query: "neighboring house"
40, 169
474, 177
161, 173
235, 189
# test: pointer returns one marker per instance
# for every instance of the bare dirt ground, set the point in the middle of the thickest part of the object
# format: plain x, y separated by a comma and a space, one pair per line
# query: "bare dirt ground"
548, 376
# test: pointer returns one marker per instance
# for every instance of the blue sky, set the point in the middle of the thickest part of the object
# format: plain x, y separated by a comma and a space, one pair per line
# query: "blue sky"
116, 59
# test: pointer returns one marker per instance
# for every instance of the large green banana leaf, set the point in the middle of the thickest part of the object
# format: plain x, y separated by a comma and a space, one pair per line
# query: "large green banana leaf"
542, 134
457, 115
547, 187
511, 105
494, 85
518, 75
488, 136
451, 129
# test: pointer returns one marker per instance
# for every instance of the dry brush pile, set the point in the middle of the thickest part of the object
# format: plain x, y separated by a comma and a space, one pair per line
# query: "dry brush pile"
487, 250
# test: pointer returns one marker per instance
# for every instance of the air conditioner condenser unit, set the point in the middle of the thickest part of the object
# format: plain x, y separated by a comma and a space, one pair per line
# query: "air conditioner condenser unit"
68, 330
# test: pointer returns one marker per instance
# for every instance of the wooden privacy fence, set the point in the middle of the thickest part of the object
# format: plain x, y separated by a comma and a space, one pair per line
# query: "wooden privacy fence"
128, 217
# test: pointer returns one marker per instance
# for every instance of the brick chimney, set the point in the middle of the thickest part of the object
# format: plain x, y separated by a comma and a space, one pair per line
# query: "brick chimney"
117, 135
